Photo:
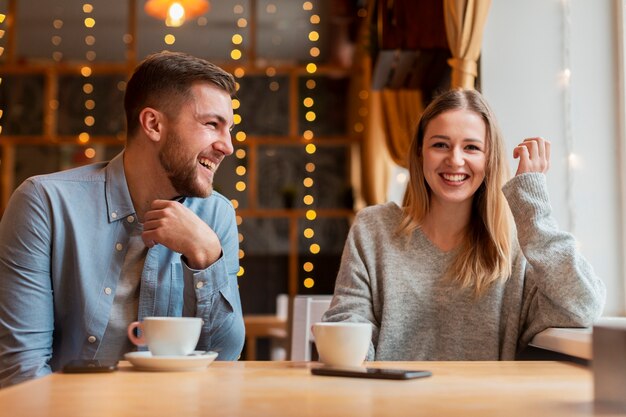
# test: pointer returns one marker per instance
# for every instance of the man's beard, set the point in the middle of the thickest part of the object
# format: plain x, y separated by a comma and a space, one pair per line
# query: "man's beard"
182, 171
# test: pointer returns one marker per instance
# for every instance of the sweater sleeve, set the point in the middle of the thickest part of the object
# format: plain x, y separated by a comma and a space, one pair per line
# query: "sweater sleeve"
560, 287
352, 300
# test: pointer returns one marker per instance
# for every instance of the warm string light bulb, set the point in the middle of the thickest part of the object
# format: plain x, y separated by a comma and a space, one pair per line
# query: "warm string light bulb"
310, 148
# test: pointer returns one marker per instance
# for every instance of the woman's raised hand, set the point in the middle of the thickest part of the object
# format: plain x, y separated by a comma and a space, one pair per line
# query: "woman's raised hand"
533, 154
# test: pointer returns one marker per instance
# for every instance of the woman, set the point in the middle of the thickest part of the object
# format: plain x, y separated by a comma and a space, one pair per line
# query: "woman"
445, 277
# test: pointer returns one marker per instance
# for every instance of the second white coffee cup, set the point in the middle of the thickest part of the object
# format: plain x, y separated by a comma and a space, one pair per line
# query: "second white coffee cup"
342, 343
172, 336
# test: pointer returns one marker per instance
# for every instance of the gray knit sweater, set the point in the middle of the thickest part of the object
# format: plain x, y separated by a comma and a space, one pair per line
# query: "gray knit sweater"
396, 283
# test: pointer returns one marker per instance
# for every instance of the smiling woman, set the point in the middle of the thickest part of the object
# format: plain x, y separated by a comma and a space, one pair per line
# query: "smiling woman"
454, 154
445, 276
458, 134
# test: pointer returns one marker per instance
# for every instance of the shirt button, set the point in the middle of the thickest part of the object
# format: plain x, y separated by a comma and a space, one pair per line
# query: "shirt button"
107, 291
91, 339
118, 246
114, 215
130, 219
200, 284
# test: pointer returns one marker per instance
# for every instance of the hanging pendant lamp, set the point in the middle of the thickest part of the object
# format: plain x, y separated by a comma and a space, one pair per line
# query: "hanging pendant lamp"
175, 12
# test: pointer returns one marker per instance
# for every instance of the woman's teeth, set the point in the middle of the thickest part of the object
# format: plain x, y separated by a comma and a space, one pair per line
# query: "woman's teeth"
454, 177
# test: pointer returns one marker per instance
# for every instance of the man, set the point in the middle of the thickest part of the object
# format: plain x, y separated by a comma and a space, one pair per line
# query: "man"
85, 252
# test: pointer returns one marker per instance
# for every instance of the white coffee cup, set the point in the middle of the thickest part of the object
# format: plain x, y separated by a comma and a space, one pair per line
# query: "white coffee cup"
172, 336
342, 343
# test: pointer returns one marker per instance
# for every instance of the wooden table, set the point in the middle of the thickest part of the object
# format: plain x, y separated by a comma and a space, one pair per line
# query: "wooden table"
288, 389
576, 342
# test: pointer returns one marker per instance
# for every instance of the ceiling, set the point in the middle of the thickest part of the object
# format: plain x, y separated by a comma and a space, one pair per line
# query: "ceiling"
281, 34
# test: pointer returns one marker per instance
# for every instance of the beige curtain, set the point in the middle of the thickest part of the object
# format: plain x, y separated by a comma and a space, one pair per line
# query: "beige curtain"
465, 20
401, 110
393, 116
375, 160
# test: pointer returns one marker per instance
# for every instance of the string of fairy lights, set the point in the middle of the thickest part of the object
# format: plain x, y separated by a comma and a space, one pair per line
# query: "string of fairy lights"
573, 160
236, 55
88, 87
89, 102
310, 148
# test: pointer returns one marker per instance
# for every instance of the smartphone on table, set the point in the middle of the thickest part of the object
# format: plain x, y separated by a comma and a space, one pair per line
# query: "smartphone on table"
79, 366
379, 373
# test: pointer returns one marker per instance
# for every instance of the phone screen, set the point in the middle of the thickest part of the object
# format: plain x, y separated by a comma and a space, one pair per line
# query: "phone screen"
89, 365
379, 373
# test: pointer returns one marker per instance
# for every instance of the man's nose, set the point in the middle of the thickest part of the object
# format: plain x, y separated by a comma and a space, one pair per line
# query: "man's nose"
225, 144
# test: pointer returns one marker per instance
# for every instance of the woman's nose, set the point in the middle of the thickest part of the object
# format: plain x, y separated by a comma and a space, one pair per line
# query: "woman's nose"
455, 157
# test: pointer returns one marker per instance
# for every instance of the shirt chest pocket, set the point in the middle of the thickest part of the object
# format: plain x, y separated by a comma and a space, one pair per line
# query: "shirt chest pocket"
177, 285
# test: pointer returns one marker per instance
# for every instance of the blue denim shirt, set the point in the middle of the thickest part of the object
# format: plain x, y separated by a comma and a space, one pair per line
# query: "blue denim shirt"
63, 240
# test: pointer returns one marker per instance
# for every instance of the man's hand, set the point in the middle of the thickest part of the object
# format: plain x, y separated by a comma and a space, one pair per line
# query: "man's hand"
173, 225
533, 154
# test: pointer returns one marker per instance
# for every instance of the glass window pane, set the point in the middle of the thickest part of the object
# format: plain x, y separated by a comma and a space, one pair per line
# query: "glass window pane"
264, 107
282, 170
330, 105
21, 102
330, 235
266, 248
265, 236
284, 26
51, 26
105, 103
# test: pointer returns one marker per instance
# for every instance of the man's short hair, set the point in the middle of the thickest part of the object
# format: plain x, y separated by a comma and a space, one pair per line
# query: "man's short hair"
163, 81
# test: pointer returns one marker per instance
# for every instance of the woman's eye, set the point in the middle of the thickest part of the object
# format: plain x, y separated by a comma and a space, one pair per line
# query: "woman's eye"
472, 148
439, 145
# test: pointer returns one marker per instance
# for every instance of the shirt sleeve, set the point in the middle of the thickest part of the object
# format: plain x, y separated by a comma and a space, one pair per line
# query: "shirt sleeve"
352, 298
26, 301
214, 294
561, 288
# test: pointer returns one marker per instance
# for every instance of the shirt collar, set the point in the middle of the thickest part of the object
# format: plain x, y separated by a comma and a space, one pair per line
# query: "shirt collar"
119, 203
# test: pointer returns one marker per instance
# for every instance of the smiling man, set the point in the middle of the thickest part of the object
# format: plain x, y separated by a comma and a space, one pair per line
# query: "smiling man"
85, 252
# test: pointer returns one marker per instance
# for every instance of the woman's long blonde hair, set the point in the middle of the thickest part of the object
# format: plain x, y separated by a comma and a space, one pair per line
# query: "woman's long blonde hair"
484, 255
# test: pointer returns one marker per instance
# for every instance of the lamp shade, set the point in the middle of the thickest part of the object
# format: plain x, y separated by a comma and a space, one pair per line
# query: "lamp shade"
175, 12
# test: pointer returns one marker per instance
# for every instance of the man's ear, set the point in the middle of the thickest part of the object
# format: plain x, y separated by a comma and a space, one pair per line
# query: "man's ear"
151, 122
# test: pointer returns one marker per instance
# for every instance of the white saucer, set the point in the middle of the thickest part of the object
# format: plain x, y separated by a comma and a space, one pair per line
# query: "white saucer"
146, 362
